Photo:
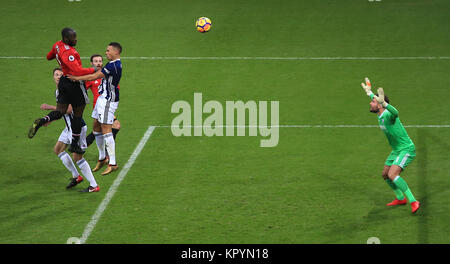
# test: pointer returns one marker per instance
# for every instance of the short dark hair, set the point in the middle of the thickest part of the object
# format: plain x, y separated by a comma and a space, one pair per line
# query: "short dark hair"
66, 32
116, 45
386, 99
95, 55
57, 69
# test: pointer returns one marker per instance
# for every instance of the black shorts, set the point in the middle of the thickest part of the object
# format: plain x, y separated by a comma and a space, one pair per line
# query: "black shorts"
70, 92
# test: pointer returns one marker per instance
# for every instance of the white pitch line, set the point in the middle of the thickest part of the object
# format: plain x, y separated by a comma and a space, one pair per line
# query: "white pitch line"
112, 190
254, 58
312, 126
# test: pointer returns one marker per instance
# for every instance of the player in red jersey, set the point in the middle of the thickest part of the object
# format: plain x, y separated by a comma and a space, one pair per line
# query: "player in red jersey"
70, 92
97, 61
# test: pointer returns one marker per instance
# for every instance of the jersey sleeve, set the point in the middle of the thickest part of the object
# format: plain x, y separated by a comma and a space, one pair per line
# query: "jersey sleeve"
107, 69
51, 54
392, 110
71, 60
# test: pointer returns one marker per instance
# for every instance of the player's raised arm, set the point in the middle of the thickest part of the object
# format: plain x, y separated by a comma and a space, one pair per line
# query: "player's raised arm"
380, 99
367, 86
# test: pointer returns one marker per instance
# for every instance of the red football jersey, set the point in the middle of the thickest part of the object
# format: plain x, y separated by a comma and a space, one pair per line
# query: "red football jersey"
69, 59
93, 85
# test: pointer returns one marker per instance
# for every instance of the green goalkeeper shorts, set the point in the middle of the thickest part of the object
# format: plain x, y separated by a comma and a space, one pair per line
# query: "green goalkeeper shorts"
401, 158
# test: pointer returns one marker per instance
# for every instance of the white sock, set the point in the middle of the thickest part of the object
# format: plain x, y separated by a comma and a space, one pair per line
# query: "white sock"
86, 170
111, 147
67, 161
100, 145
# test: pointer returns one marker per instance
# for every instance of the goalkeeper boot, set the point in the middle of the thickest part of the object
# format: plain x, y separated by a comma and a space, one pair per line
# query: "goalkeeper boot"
415, 206
101, 163
74, 182
397, 202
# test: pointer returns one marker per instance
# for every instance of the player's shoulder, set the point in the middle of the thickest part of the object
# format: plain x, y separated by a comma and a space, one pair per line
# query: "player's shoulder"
113, 66
115, 63
68, 49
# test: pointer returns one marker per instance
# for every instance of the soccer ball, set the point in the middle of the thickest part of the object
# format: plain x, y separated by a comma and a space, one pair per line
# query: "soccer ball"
203, 24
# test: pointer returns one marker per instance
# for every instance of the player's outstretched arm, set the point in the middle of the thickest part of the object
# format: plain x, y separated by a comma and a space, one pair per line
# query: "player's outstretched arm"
47, 107
380, 99
90, 77
367, 86
53, 108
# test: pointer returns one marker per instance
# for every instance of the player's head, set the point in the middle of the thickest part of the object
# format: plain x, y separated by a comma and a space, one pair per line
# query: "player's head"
57, 73
97, 60
113, 51
375, 106
69, 36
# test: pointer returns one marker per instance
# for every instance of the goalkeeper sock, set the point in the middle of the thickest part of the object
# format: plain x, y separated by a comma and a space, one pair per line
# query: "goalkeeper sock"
397, 191
403, 186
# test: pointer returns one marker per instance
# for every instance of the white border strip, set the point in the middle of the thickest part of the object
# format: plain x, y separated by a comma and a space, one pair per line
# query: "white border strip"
254, 58
315, 126
112, 190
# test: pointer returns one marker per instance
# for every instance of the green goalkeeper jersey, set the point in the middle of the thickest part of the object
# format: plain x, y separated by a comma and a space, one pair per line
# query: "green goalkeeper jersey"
393, 129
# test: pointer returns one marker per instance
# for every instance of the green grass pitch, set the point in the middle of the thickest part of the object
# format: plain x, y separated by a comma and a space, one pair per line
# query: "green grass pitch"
319, 185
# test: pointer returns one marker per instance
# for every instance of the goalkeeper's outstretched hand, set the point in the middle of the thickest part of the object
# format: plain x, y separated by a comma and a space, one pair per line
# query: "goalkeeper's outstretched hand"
380, 97
367, 86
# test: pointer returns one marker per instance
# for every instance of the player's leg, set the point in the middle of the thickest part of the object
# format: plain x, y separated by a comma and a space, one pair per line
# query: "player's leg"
394, 176
61, 109
65, 158
105, 110
91, 137
78, 99
84, 165
101, 146
111, 148
63, 101
400, 198
59, 149
115, 127
403, 160
76, 128
98, 111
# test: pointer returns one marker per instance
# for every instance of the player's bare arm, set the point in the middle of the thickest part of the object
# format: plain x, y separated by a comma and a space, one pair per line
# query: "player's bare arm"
53, 107
89, 77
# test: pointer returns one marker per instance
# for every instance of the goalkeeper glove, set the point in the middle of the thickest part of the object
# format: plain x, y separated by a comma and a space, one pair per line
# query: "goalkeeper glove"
380, 97
367, 86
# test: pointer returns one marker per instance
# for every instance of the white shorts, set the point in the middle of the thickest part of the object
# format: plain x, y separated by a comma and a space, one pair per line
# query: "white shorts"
104, 111
66, 137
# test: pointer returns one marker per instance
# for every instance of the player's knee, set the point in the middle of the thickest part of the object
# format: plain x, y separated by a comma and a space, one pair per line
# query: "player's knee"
392, 175
57, 150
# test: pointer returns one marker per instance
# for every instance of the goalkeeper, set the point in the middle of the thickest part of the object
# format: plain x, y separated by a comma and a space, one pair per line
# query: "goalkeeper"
403, 149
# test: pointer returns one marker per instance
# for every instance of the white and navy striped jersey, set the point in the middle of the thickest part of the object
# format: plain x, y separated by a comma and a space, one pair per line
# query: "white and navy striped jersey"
109, 89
